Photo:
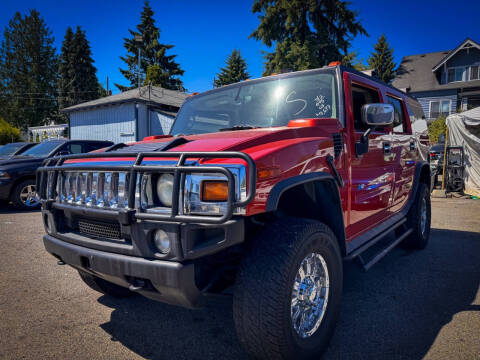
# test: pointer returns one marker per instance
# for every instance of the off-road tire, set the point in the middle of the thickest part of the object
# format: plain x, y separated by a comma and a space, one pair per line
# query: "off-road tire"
418, 239
104, 287
16, 199
263, 291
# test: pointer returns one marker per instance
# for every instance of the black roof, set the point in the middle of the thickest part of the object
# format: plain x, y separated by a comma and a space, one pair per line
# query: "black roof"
415, 73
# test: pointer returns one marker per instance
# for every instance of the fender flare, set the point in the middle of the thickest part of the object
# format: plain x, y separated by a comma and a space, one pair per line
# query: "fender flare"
338, 227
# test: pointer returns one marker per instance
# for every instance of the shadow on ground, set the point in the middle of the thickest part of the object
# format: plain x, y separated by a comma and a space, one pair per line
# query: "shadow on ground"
396, 310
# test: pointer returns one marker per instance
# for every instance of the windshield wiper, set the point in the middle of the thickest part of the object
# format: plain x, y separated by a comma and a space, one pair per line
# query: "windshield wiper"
239, 127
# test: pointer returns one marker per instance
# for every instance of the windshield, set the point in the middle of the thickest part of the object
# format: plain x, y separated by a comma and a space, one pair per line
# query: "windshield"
273, 102
10, 149
43, 149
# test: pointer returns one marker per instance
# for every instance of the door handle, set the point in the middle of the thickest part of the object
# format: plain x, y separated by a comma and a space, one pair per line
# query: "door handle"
387, 147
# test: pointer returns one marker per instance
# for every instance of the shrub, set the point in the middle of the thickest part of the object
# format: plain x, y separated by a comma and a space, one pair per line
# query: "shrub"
436, 128
8, 133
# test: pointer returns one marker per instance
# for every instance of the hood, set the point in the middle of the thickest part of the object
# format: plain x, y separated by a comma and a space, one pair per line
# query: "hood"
242, 140
20, 161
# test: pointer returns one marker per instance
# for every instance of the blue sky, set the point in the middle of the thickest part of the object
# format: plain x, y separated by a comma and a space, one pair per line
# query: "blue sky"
205, 32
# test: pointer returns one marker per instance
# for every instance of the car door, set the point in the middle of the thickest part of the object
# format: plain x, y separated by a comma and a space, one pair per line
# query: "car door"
371, 173
404, 150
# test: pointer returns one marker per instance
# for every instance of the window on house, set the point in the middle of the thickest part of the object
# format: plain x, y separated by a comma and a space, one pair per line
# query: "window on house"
451, 75
474, 74
440, 108
457, 74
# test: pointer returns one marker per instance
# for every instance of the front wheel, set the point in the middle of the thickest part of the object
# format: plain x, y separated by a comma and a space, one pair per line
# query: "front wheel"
24, 196
288, 291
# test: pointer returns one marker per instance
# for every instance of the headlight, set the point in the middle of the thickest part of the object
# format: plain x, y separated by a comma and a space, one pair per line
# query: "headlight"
165, 188
4, 175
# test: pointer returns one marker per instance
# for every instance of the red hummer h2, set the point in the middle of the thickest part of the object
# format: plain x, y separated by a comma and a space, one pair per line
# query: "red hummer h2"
264, 187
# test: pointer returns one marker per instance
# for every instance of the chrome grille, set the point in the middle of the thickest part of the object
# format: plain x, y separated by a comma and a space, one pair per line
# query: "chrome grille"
99, 229
96, 189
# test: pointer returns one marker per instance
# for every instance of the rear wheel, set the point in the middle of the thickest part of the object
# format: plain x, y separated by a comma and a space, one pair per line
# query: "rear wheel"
104, 287
24, 195
288, 291
419, 218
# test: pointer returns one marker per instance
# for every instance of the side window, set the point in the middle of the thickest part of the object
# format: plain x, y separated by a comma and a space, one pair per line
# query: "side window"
361, 96
399, 122
75, 148
95, 146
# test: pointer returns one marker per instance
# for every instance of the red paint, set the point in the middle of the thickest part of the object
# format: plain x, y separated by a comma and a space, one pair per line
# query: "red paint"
376, 185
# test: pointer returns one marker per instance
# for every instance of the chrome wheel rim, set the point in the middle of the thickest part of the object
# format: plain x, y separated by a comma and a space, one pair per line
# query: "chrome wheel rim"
423, 216
310, 295
28, 196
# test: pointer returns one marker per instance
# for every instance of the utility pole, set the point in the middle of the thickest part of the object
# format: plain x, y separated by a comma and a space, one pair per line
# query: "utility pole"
107, 86
139, 42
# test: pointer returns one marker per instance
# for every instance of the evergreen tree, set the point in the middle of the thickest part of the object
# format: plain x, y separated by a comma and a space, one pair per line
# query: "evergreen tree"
235, 71
306, 33
381, 60
66, 72
352, 60
160, 69
77, 76
28, 72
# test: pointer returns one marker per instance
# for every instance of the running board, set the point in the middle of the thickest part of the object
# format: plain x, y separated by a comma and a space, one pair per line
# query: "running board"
384, 251
374, 240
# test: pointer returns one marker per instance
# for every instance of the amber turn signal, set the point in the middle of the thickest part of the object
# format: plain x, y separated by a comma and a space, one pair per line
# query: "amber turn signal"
214, 190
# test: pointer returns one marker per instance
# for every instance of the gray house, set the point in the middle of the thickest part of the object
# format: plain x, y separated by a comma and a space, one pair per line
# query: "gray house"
443, 82
128, 116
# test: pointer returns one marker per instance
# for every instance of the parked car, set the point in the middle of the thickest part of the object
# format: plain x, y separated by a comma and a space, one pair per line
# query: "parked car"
265, 187
12, 149
17, 174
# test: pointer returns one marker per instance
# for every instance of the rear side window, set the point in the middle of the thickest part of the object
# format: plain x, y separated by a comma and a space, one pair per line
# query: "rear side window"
399, 122
360, 96
75, 148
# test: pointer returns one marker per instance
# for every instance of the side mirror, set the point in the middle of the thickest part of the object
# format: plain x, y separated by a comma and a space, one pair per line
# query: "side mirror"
378, 115
374, 115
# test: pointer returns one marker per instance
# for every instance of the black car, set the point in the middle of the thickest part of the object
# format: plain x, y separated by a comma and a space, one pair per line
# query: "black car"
17, 174
15, 148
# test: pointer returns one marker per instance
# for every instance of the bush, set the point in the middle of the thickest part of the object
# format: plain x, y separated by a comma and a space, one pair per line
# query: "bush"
8, 133
436, 128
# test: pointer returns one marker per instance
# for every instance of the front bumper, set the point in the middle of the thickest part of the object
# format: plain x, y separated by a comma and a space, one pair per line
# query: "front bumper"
5, 189
133, 261
168, 281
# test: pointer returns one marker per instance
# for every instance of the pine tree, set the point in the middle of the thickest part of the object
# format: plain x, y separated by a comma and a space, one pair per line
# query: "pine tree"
28, 72
381, 60
235, 71
306, 33
160, 69
66, 72
77, 76
352, 60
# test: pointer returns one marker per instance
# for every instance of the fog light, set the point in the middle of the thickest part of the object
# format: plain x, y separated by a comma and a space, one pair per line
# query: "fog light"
162, 242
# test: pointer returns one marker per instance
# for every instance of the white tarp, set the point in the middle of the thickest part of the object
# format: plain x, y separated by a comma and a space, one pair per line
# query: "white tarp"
464, 130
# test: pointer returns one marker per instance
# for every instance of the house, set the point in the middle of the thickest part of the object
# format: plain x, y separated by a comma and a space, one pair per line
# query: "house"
443, 82
128, 116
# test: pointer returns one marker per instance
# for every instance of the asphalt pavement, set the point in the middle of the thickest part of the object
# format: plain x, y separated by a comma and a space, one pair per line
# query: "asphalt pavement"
411, 305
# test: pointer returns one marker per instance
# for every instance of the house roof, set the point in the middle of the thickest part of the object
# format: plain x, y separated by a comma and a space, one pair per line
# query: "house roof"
156, 96
415, 74
467, 43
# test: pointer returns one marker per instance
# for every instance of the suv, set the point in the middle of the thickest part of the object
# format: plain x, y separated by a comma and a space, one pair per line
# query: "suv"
17, 174
264, 187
